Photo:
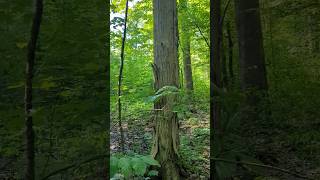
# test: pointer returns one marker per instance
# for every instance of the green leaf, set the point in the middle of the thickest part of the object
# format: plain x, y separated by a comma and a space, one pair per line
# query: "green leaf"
150, 160
113, 165
47, 85
20, 84
124, 165
163, 94
167, 88
21, 45
139, 166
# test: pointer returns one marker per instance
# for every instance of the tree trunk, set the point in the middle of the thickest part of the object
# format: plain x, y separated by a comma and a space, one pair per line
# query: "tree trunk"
215, 78
30, 170
225, 79
122, 142
253, 75
187, 65
166, 73
230, 54
185, 39
251, 53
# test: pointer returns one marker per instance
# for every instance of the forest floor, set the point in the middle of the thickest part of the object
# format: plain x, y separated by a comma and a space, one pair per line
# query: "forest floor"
289, 146
194, 140
286, 145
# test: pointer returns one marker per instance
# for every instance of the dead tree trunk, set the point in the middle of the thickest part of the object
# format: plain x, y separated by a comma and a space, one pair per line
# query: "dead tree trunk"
166, 73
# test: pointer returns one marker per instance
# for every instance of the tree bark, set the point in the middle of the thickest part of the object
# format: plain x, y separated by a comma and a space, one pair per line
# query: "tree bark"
253, 73
166, 73
30, 169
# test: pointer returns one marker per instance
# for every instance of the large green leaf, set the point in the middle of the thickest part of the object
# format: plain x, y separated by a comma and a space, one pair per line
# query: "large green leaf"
139, 166
150, 160
124, 165
113, 165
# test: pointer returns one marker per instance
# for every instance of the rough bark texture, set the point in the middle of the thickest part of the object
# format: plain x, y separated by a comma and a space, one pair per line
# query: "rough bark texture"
215, 77
252, 61
166, 73
185, 40
30, 170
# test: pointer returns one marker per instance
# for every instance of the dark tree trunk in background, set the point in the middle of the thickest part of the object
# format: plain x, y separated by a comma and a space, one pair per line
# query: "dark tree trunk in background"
225, 78
30, 170
253, 77
230, 54
185, 39
166, 73
215, 77
252, 61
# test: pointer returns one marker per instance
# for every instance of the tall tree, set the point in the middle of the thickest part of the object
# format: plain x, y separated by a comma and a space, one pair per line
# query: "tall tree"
120, 77
30, 170
166, 73
252, 61
185, 41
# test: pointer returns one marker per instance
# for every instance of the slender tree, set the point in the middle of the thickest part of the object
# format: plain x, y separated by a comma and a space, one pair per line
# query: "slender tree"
120, 78
230, 53
185, 41
224, 72
30, 170
166, 73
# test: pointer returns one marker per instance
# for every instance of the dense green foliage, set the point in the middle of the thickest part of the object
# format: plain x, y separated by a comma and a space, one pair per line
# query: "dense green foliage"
138, 94
70, 91
69, 87
286, 132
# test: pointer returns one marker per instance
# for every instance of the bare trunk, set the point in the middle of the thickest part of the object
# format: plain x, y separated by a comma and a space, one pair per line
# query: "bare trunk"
30, 170
166, 73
